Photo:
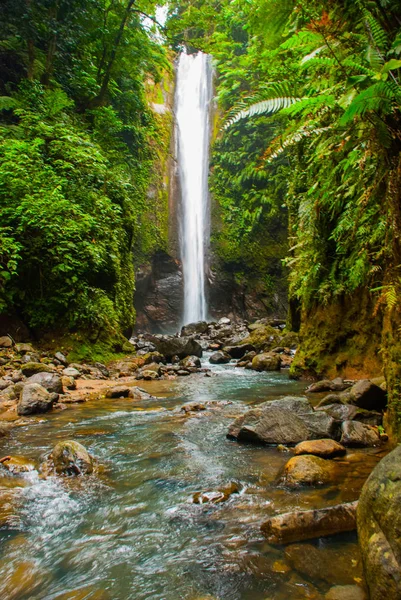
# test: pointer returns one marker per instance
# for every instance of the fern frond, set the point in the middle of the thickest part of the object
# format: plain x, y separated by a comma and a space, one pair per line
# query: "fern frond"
352, 64
377, 97
275, 98
319, 61
302, 38
7, 103
311, 105
280, 144
376, 31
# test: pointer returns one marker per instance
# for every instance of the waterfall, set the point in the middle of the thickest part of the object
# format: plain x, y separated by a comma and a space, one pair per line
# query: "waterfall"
192, 109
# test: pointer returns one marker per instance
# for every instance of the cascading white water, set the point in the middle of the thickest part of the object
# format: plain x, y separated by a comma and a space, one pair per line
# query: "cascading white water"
192, 110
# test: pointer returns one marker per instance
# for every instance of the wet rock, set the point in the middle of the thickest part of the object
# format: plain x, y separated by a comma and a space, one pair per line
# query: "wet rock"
369, 396
368, 417
5, 342
149, 375
32, 368
71, 458
266, 362
307, 470
330, 565
35, 399
326, 385
308, 524
24, 348
339, 412
194, 328
118, 391
183, 373
19, 464
181, 347
61, 358
5, 428
193, 407
71, 372
289, 420
216, 496
379, 528
4, 384
138, 393
239, 351
323, 448
191, 362
355, 434
346, 592
50, 381
219, 358
155, 367
154, 358
68, 382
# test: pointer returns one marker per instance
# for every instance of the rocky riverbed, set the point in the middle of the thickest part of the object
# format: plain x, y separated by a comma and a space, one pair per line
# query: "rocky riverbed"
203, 481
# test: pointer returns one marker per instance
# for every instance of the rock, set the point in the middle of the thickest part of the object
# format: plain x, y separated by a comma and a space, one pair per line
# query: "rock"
308, 524
216, 496
24, 348
102, 368
325, 385
266, 362
71, 458
379, 528
71, 372
219, 358
355, 434
183, 373
289, 420
239, 351
5, 428
138, 393
181, 347
50, 381
61, 358
194, 328
4, 384
5, 342
193, 407
346, 592
369, 396
190, 361
68, 382
118, 391
323, 448
19, 464
152, 367
327, 564
368, 417
224, 321
150, 375
154, 358
32, 368
307, 470
35, 399
339, 412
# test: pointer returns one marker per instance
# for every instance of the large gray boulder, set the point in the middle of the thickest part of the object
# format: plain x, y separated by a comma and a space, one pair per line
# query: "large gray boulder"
50, 381
219, 358
194, 328
367, 395
35, 399
181, 347
379, 528
356, 434
287, 421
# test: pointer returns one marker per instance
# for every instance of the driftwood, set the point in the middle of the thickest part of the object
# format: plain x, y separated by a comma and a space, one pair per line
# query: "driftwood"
308, 524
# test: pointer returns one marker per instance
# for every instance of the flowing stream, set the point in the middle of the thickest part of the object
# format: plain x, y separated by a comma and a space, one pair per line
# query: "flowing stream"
192, 108
132, 532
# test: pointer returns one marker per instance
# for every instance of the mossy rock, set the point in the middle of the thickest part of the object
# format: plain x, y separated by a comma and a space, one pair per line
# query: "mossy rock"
263, 337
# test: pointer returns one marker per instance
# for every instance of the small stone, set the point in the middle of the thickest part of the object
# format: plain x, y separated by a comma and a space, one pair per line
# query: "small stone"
119, 391
325, 448
24, 348
5, 342
149, 375
68, 382
61, 358
71, 372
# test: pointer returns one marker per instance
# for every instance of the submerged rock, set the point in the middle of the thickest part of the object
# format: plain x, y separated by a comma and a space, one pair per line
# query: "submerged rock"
307, 470
268, 361
216, 496
355, 434
323, 448
379, 528
71, 458
287, 421
308, 524
35, 399
330, 565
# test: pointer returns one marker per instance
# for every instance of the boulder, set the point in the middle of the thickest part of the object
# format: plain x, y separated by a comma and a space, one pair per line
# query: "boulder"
267, 361
35, 399
224, 321
326, 385
68, 382
118, 391
61, 358
339, 412
239, 351
102, 368
346, 592
154, 357
323, 448
138, 393
24, 348
32, 368
194, 328
369, 396
286, 421
5, 341
191, 362
181, 347
150, 375
307, 470
379, 528
308, 524
355, 434
50, 381
219, 358
71, 372
71, 458
155, 367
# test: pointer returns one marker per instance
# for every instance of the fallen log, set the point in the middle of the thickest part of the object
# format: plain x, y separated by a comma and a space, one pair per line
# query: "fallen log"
308, 524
